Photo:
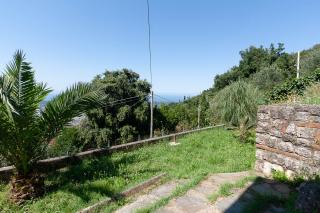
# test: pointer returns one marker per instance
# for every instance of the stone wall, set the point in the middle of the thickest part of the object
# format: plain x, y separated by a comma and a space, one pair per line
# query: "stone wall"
288, 139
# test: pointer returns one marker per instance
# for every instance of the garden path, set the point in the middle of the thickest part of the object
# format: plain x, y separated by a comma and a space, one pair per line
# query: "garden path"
197, 198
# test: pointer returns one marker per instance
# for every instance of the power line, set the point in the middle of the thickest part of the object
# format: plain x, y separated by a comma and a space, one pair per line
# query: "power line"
125, 100
171, 101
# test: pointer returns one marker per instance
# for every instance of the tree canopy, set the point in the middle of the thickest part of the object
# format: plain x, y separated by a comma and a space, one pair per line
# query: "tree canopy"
125, 115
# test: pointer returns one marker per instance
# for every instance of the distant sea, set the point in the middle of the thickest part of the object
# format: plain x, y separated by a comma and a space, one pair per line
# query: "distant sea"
170, 98
158, 98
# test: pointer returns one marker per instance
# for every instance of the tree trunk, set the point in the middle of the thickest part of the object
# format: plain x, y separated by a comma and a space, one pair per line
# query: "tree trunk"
26, 187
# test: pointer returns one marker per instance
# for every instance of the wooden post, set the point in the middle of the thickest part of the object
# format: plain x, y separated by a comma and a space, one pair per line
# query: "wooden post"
151, 115
199, 110
298, 65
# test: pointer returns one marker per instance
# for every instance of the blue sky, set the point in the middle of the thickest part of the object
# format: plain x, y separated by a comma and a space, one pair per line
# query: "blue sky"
192, 40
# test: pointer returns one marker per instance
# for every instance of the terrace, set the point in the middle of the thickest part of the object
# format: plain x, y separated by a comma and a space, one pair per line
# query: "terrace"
197, 156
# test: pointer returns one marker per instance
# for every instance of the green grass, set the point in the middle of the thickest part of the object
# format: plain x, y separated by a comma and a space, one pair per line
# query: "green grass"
198, 154
226, 189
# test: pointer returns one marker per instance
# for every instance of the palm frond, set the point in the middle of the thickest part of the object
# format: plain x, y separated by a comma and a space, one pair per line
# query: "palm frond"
22, 93
73, 102
20, 98
5, 102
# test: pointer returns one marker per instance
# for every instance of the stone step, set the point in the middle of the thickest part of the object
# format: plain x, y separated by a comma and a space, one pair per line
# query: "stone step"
151, 197
240, 198
196, 199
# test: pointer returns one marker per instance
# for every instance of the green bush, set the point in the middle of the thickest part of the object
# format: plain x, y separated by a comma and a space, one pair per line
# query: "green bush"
126, 113
3, 162
237, 104
311, 95
67, 143
310, 60
269, 77
294, 87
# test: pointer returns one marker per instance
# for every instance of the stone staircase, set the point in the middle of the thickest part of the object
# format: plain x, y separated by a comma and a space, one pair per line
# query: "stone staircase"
197, 198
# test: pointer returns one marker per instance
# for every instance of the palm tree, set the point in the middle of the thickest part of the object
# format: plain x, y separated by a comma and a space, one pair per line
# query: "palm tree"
25, 129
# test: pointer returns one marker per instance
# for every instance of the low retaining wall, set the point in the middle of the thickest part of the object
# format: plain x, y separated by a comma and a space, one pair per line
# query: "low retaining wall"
288, 139
51, 164
125, 194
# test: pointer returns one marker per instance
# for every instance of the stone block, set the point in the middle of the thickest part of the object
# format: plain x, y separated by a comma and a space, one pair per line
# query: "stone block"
291, 129
316, 155
289, 138
307, 171
317, 137
301, 108
304, 132
303, 151
263, 116
315, 119
275, 167
260, 130
303, 142
285, 146
272, 141
302, 116
314, 110
274, 158
275, 112
290, 174
308, 124
267, 169
292, 164
260, 154
261, 138
259, 165
277, 123
287, 112
275, 132
262, 127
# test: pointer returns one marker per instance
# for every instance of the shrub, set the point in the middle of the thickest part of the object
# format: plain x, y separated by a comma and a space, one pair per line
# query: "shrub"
237, 103
67, 143
269, 77
311, 95
3, 162
294, 87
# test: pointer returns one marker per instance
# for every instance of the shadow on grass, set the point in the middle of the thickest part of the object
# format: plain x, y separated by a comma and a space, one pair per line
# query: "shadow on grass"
83, 179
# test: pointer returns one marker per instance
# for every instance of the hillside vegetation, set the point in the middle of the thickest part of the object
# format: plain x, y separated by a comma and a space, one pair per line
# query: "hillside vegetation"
271, 71
263, 75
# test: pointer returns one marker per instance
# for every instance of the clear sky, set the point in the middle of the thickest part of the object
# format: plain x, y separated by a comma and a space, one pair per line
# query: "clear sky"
192, 40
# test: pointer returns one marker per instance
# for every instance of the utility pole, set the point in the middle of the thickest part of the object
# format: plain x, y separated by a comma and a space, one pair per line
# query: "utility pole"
150, 69
298, 65
199, 110
151, 115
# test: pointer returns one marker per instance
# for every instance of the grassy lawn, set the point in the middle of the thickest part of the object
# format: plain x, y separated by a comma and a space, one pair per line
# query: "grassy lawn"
199, 154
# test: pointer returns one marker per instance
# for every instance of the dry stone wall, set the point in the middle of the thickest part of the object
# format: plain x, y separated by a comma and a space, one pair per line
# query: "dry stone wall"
288, 139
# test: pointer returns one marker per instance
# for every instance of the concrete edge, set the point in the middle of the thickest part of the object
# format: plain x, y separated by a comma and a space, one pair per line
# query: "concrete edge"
127, 193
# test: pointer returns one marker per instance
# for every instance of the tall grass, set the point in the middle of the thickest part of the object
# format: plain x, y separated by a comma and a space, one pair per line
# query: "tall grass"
312, 95
237, 103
